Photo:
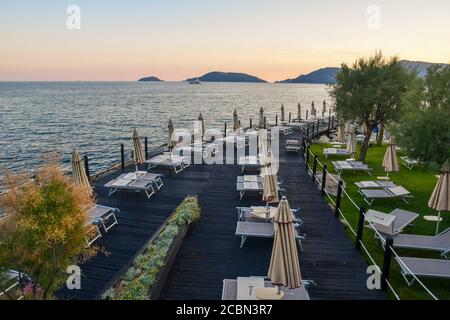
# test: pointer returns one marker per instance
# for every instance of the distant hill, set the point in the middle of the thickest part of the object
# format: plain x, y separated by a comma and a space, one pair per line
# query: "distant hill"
150, 79
419, 66
217, 76
324, 75
328, 75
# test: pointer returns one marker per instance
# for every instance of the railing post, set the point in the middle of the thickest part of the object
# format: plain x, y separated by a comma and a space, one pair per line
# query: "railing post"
122, 156
318, 127
225, 130
307, 114
314, 170
146, 148
276, 120
307, 156
324, 179
386, 263
313, 130
359, 232
307, 133
338, 199
329, 125
290, 117
86, 167
251, 124
265, 122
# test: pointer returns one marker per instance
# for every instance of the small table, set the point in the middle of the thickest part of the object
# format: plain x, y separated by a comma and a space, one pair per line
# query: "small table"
269, 294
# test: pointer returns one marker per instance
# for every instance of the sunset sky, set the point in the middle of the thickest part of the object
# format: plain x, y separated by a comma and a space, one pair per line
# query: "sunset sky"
174, 39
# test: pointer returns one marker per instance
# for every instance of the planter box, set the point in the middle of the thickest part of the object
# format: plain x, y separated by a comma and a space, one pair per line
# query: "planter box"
162, 275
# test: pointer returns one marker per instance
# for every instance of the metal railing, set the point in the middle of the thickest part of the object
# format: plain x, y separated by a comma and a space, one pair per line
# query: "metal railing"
336, 200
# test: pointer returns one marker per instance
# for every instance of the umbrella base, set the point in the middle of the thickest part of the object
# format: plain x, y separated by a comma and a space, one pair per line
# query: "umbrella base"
269, 294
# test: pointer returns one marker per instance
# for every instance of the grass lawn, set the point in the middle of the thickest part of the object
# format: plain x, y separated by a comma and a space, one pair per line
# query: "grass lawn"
420, 182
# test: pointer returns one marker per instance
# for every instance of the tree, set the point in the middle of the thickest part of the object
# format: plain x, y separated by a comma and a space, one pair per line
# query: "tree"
45, 228
371, 90
424, 131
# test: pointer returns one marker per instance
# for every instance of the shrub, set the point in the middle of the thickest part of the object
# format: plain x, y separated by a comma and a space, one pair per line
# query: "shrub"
141, 276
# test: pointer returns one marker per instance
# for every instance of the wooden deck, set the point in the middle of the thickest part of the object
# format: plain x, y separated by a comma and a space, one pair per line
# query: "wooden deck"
211, 251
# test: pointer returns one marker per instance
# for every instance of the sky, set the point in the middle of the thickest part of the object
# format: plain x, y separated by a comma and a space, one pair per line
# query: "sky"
175, 39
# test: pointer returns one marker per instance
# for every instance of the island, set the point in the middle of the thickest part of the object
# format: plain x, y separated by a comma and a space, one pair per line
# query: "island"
150, 79
217, 76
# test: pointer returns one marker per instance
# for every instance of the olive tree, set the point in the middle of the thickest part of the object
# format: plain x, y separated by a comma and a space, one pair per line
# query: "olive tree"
424, 131
371, 90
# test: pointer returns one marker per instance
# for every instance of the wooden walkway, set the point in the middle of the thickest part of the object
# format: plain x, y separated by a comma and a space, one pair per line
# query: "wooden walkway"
211, 251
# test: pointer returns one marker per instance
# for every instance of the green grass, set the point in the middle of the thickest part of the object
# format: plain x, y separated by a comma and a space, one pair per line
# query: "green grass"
420, 182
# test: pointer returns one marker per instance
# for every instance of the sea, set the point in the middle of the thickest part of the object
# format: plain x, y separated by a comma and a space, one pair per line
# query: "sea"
96, 117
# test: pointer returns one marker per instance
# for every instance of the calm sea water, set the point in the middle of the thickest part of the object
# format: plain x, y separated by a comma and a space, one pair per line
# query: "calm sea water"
96, 117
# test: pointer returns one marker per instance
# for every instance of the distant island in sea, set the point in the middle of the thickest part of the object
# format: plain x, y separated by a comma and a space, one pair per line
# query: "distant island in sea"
325, 75
217, 76
150, 79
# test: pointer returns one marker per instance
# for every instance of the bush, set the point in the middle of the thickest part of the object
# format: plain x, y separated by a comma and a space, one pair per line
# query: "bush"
141, 276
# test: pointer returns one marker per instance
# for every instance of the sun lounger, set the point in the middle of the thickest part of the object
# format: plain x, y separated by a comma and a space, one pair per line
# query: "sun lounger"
341, 166
387, 193
335, 152
12, 281
170, 161
390, 224
259, 230
259, 214
104, 216
156, 178
250, 162
230, 290
408, 162
375, 184
132, 185
249, 186
440, 242
420, 267
285, 130
293, 146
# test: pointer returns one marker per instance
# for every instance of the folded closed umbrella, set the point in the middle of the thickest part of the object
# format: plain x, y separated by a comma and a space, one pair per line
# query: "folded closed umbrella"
324, 108
261, 118
341, 132
313, 110
364, 128
282, 113
236, 125
348, 126
79, 173
351, 144
202, 128
390, 163
440, 198
284, 269
138, 154
171, 141
299, 112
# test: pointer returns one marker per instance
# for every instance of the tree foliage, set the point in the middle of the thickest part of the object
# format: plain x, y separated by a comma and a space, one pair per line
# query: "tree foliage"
371, 90
45, 228
424, 131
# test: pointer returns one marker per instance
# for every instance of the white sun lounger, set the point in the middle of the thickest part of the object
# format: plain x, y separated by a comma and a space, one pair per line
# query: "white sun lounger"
104, 216
408, 162
420, 267
293, 146
387, 193
250, 162
132, 185
285, 130
439, 243
391, 224
259, 230
380, 184
170, 161
230, 291
12, 281
335, 152
249, 186
341, 166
